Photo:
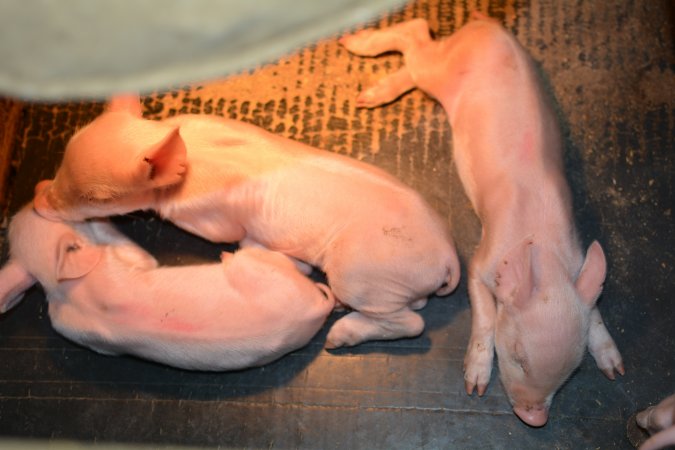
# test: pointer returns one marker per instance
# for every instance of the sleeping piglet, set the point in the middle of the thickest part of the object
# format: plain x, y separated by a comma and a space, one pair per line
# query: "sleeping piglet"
532, 291
108, 294
382, 247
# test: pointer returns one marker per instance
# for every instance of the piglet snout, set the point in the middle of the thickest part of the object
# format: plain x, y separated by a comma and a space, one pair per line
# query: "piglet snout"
534, 416
41, 201
41, 186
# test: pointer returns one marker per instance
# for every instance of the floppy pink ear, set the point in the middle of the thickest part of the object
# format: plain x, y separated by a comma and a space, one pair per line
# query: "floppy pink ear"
14, 280
515, 278
592, 275
130, 103
166, 159
75, 257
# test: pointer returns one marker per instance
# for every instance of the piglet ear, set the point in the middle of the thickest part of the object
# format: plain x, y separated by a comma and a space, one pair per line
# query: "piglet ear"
130, 103
14, 280
164, 163
592, 274
514, 279
75, 257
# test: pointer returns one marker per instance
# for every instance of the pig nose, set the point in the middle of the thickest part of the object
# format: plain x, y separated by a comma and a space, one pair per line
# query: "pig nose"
41, 204
534, 416
41, 186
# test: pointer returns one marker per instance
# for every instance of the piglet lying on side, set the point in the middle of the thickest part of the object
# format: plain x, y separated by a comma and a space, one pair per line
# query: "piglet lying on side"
108, 294
384, 250
658, 420
532, 291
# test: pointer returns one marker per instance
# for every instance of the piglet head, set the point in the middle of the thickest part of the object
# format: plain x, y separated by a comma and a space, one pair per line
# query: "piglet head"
116, 157
541, 331
46, 251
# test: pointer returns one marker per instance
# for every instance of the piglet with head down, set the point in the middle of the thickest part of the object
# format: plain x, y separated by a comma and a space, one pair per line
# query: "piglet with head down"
532, 290
108, 294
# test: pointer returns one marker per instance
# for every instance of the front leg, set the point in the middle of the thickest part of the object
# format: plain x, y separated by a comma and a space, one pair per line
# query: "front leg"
602, 346
480, 352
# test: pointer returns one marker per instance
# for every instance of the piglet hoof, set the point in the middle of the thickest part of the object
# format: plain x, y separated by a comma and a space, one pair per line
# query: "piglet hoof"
358, 43
349, 330
418, 304
336, 339
477, 368
329, 345
608, 359
470, 386
611, 367
368, 99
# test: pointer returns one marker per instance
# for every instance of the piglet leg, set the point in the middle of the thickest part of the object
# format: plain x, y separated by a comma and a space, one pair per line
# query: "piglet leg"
602, 347
386, 90
480, 351
396, 38
357, 327
375, 42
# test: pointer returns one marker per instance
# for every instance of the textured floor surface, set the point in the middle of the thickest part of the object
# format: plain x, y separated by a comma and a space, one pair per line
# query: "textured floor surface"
610, 66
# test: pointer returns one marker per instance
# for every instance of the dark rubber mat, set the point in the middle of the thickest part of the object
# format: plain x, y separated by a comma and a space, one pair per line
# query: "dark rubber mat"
610, 66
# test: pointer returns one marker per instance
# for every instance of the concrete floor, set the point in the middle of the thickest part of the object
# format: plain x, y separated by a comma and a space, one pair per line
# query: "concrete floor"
610, 66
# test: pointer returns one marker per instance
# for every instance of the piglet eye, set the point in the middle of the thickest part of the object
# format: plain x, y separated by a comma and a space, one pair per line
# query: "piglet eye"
93, 198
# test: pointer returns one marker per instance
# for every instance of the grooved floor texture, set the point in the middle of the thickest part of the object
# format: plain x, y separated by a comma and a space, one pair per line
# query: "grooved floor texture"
610, 67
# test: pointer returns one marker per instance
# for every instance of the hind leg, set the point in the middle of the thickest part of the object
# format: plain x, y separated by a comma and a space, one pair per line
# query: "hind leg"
386, 90
374, 42
602, 346
356, 327
397, 38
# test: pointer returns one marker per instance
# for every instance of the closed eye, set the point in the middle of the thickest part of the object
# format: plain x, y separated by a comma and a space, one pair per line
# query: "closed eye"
91, 197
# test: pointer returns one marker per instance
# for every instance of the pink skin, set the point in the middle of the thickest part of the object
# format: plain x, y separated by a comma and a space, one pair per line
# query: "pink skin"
384, 250
532, 291
108, 294
658, 420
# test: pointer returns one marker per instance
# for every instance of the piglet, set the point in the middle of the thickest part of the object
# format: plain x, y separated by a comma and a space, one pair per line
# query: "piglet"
108, 294
532, 291
658, 420
382, 247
